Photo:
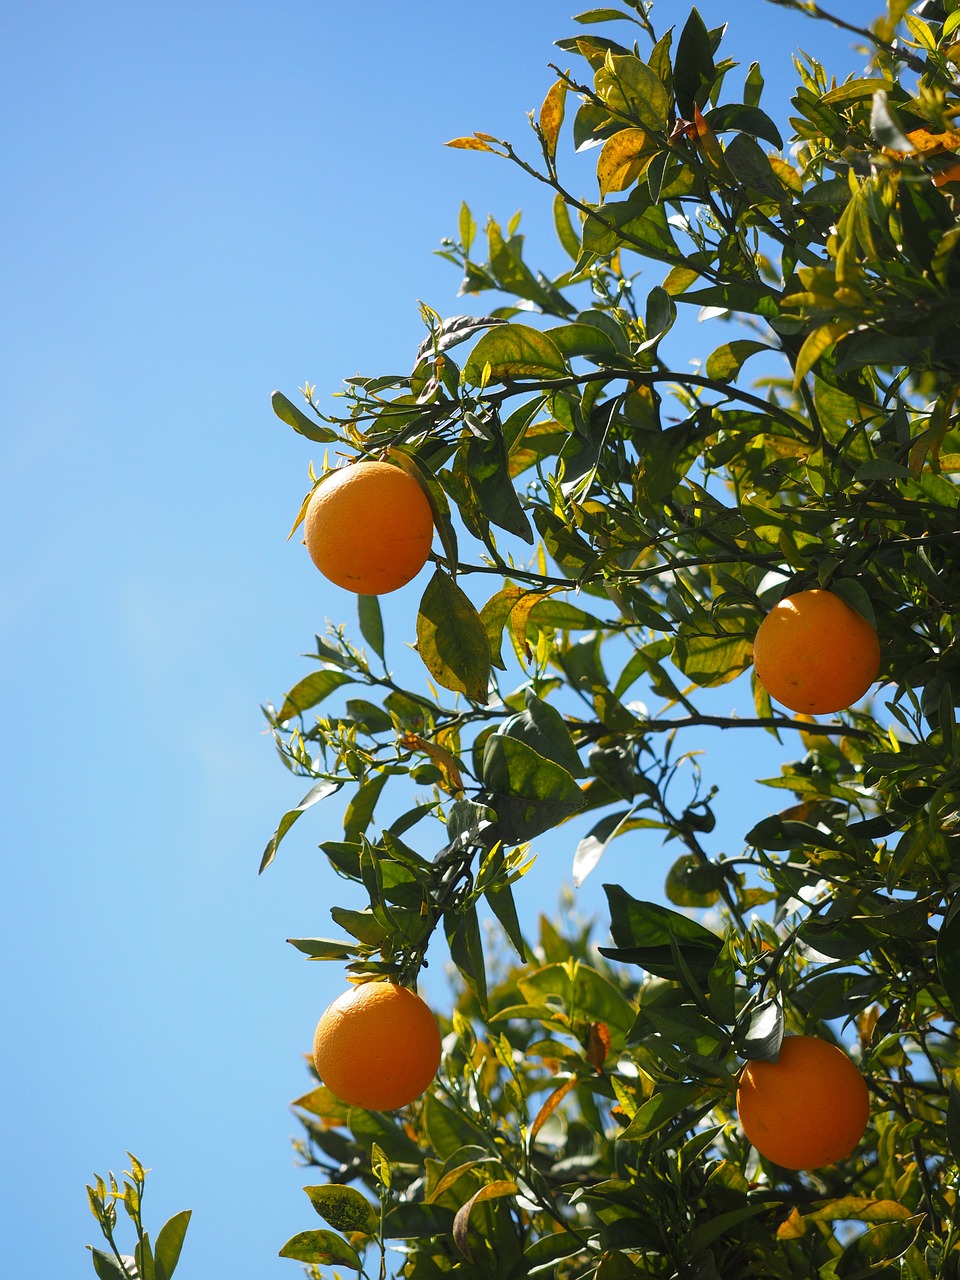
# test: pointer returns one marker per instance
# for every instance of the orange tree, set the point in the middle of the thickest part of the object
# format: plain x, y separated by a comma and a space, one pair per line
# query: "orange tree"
612, 530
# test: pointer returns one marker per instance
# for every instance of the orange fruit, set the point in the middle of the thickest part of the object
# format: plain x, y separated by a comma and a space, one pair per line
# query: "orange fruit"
368, 528
377, 1046
815, 654
806, 1110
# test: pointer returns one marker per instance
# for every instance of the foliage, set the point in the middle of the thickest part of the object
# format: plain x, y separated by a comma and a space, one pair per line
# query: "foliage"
148, 1261
630, 523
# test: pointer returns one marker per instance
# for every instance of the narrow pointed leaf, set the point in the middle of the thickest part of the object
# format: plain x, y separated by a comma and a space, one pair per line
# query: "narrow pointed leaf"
319, 792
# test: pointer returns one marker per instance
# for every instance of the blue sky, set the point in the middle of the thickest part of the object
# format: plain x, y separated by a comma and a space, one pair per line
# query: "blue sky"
206, 201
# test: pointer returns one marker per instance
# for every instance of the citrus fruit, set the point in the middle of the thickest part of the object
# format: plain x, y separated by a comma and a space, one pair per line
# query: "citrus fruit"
377, 1046
806, 1110
368, 528
813, 653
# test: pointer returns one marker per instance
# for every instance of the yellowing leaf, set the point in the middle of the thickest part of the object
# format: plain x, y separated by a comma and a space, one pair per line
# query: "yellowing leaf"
551, 116
927, 143
624, 158
451, 639
461, 1222
816, 344
793, 1227
475, 143
787, 174
550, 1105
445, 760
709, 146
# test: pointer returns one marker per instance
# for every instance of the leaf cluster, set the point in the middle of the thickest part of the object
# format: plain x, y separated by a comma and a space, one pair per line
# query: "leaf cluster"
613, 525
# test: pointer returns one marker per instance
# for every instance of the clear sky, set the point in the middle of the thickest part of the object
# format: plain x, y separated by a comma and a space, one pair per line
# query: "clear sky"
205, 201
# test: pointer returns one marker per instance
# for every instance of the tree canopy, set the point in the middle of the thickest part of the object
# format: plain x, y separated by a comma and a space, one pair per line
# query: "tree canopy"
612, 531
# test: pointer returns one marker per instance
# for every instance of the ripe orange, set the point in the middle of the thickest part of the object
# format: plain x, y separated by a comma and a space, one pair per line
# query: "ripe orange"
377, 1046
813, 653
808, 1109
369, 527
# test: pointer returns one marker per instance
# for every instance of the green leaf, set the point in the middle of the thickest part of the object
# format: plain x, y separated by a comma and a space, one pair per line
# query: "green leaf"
324, 948
751, 120
486, 470
564, 228
578, 339
439, 507
661, 314
143, 1258
693, 68
513, 275
560, 615
319, 792
953, 1122
854, 594
854, 91
664, 1106
709, 660
345, 1208
515, 351
749, 164
368, 716
461, 1223
691, 882
504, 907
311, 691
529, 793
452, 640
288, 412
700, 1238
359, 812
876, 1246
600, 15
371, 623
166, 1251
630, 224
365, 926
465, 941
494, 616
650, 935
581, 990
108, 1268
545, 1252
724, 364
634, 922
544, 729
455, 329
667, 456
325, 1248
407, 1220
447, 1130
948, 955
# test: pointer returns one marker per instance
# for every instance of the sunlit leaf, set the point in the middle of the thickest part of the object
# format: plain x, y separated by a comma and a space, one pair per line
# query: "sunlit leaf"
288, 412
324, 1248
345, 1208
551, 115
326, 787
515, 351
452, 640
